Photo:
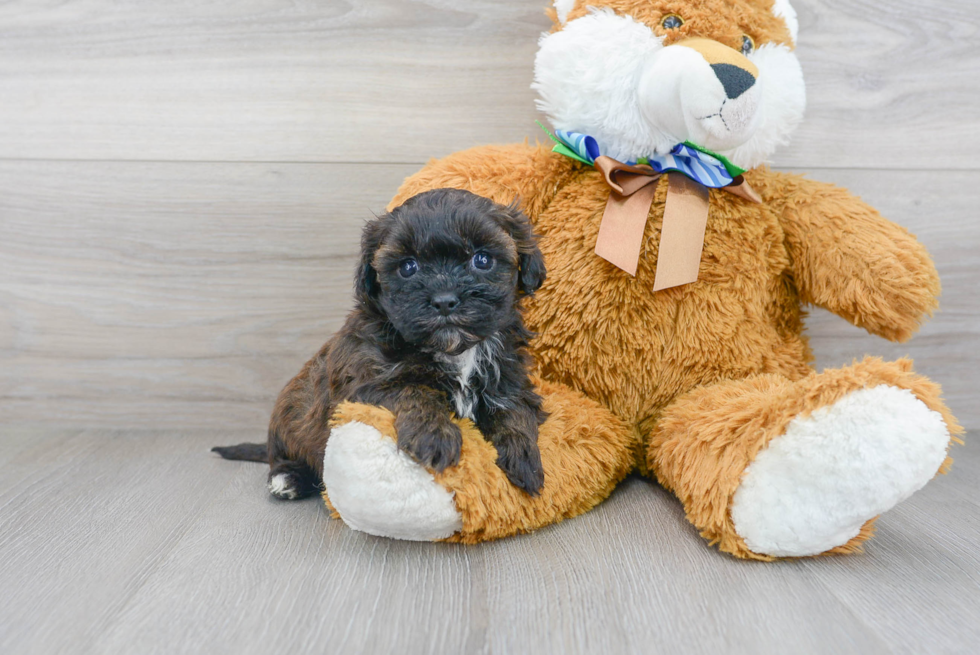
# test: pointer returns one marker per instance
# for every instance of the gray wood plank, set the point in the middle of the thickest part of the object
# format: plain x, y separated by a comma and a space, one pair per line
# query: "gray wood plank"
24, 444
396, 81
257, 575
208, 284
633, 576
183, 295
85, 524
371, 80
604, 583
144, 542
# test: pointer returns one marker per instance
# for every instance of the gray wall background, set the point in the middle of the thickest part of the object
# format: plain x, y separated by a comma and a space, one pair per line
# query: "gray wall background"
182, 184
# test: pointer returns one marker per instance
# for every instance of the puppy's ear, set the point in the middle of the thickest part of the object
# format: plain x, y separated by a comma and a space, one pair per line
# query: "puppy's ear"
532, 270
366, 285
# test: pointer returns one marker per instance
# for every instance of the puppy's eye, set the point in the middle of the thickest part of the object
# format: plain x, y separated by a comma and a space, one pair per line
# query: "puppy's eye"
482, 261
748, 45
408, 268
671, 22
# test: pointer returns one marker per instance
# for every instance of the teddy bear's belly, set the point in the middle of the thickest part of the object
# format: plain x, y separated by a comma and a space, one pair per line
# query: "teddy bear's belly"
609, 335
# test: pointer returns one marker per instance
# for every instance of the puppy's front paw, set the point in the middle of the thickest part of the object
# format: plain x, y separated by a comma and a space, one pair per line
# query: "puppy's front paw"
435, 444
521, 463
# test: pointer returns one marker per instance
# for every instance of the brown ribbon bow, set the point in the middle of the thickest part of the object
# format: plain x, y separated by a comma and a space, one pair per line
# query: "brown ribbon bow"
631, 191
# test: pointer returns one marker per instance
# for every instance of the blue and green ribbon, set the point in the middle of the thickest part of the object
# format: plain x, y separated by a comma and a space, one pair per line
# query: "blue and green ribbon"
700, 164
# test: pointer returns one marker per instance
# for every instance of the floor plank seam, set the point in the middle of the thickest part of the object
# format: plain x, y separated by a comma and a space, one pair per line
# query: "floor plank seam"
813, 578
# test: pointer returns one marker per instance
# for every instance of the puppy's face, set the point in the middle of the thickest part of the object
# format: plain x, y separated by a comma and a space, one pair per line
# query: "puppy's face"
447, 268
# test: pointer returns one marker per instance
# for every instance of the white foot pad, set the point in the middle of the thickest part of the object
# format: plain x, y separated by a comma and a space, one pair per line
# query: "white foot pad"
382, 491
814, 487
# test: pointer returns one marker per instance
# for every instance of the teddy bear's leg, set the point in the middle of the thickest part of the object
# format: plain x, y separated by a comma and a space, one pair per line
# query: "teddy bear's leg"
769, 467
374, 487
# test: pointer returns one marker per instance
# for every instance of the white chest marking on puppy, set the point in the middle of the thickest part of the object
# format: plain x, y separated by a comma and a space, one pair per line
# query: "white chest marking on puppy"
472, 371
464, 366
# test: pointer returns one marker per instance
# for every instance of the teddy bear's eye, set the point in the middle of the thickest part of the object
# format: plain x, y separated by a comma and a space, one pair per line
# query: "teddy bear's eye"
748, 45
671, 22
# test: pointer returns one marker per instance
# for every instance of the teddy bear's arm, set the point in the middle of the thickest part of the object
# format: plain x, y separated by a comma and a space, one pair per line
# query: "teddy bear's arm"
850, 260
528, 174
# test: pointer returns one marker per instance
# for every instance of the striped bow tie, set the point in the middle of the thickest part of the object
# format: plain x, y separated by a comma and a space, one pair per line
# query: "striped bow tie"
632, 187
706, 168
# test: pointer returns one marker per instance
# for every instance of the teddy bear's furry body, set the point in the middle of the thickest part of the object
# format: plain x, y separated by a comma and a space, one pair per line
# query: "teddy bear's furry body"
727, 351
708, 386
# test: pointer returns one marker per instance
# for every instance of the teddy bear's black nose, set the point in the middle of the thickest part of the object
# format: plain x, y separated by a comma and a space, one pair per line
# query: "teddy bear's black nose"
735, 80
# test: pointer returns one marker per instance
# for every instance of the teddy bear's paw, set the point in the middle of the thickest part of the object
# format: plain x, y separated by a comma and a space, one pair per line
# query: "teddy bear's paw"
379, 489
814, 487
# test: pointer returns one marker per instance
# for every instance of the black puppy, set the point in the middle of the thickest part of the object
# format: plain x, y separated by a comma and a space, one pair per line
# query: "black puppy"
437, 329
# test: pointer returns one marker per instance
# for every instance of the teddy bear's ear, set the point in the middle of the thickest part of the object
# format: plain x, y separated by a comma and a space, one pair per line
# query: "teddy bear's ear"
562, 7
782, 9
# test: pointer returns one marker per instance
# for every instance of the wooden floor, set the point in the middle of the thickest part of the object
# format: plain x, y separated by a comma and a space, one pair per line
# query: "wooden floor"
139, 541
181, 191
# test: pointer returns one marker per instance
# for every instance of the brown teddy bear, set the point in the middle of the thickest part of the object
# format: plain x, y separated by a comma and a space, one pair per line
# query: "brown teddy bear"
670, 329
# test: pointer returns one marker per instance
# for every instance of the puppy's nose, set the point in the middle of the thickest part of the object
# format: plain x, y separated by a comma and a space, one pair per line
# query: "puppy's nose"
735, 80
446, 303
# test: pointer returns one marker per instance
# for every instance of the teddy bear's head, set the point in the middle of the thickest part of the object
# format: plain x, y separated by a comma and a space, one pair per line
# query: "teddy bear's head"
641, 76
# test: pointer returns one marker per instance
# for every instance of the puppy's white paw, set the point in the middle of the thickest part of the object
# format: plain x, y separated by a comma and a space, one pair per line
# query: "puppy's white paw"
379, 489
813, 488
281, 486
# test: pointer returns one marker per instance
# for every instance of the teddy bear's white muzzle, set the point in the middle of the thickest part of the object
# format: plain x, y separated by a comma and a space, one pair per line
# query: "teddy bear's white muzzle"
713, 105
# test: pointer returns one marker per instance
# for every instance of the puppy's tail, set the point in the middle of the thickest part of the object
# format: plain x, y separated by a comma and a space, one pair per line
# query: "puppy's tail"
249, 452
